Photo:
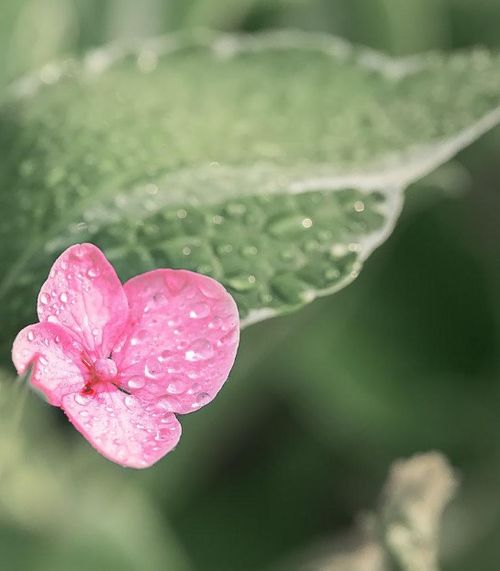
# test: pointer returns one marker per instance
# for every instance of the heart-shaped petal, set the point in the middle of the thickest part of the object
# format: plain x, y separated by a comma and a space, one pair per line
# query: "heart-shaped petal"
56, 358
182, 339
121, 428
84, 294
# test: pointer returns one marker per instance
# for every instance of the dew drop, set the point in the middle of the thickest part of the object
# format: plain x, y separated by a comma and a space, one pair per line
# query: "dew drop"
242, 283
176, 386
44, 298
105, 369
224, 249
81, 399
93, 272
130, 402
332, 274
249, 251
153, 368
63, 297
136, 382
266, 298
215, 322
202, 398
153, 388
199, 310
31, 336
338, 250
359, 206
173, 322
231, 337
165, 355
195, 388
164, 403
159, 297
200, 350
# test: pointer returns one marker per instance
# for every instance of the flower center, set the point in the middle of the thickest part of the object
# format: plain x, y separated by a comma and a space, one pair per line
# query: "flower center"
105, 370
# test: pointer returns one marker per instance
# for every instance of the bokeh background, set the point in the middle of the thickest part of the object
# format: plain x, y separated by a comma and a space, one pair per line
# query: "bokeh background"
320, 402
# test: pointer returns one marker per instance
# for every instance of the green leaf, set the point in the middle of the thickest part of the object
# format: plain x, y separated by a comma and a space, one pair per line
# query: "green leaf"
275, 163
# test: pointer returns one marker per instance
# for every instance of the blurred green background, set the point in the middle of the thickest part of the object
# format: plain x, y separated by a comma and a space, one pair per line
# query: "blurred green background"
319, 403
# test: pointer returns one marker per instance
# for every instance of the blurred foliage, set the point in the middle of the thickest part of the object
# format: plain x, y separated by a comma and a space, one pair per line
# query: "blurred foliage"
320, 403
403, 531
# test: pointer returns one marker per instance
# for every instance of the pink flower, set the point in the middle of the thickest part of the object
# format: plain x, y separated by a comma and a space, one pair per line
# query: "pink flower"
121, 361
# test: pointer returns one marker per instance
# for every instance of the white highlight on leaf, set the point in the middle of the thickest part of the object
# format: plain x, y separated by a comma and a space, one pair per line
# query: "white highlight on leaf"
227, 46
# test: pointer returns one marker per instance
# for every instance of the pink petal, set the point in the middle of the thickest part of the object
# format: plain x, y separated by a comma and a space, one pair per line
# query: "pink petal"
84, 294
121, 429
56, 358
182, 339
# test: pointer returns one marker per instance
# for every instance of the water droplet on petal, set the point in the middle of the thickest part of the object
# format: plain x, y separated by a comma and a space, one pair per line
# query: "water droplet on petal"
93, 272
173, 322
159, 297
31, 336
201, 399
199, 350
231, 337
105, 369
215, 323
130, 402
164, 355
136, 382
44, 298
199, 310
176, 386
81, 399
63, 297
164, 403
153, 368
